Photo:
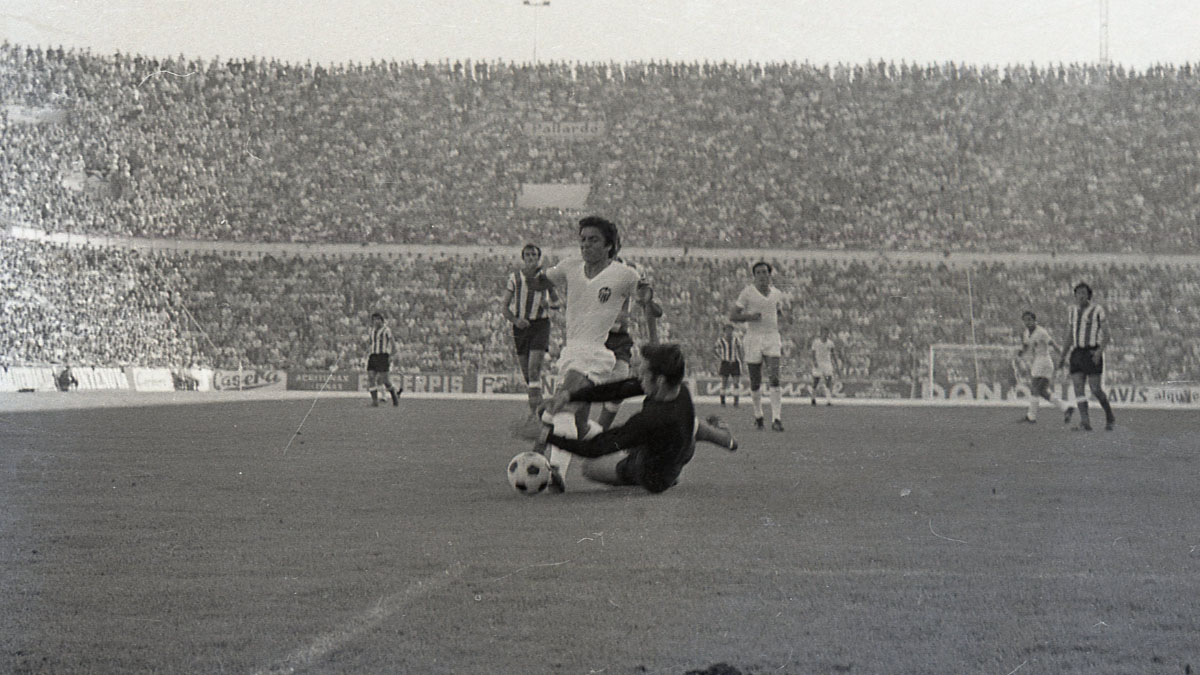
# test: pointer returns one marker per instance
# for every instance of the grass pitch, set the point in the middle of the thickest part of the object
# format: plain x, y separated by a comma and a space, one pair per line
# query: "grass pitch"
212, 538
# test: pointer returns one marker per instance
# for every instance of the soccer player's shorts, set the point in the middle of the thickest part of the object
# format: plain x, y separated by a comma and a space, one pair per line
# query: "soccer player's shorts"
619, 372
379, 363
1081, 361
1042, 367
758, 345
621, 345
652, 470
729, 369
823, 370
534, 338
592, 361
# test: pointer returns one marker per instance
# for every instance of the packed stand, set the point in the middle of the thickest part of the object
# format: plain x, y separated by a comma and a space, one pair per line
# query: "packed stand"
110, 306
100, 307
875, 156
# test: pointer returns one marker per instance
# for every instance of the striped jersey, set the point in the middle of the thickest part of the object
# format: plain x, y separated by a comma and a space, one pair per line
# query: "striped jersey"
729, 349
1086, 325
527, 304
381, 340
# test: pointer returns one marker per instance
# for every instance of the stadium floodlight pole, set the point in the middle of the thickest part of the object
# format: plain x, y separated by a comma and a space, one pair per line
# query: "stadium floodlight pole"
1104, 34
536, 6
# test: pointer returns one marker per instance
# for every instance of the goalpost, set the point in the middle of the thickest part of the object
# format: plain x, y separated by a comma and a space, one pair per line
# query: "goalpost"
972, 371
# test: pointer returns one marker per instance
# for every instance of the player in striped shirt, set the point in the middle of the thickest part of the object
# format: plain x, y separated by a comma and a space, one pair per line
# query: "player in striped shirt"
730, 353
379, 358
528, 311
1037, 346
1089, 336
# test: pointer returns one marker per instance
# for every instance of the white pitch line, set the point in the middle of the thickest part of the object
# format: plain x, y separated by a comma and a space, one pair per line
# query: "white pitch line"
379, 612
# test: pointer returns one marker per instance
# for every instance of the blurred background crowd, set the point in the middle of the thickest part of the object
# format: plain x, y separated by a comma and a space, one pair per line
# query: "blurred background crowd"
698, 157
117, 306
883, 155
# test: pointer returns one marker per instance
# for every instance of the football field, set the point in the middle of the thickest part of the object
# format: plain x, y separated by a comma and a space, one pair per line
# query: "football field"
214, 538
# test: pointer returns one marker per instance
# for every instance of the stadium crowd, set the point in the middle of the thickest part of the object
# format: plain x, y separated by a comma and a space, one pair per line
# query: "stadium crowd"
782, 155
114, 306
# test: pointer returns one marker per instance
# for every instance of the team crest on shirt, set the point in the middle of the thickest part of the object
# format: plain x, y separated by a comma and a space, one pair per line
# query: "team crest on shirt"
605, 294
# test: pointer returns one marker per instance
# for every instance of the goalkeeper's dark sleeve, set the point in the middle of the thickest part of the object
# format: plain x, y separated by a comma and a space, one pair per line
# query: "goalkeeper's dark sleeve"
609, 391
638, 430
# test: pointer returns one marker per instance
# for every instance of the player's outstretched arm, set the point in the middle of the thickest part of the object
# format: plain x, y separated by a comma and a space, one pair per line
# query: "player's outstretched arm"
638, 430
609, 391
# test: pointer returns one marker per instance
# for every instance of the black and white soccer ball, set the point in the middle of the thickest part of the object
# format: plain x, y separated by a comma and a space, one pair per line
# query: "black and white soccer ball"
529, 473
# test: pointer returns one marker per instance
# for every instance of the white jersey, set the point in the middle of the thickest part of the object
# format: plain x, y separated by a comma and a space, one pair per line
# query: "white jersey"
823, 353
1037, 344
593, 305
751, 301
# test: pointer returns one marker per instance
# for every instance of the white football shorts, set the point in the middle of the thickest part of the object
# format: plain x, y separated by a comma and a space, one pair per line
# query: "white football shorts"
1042, 367
823, 370
758, 346
592, 361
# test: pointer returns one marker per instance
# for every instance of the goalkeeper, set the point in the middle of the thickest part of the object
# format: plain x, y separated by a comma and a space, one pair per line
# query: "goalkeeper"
651, 448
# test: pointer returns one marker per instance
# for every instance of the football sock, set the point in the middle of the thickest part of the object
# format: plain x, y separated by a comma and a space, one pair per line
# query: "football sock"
374, 395
1082, 404
756, 399
776, 403
1108, 412
1059, 403
535, 396
1033, 407
564, 425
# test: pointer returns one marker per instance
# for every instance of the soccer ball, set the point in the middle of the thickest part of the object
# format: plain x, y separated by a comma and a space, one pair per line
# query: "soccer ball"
529, 473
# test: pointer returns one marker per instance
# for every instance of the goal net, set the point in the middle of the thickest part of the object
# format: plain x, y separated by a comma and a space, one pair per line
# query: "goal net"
972, 371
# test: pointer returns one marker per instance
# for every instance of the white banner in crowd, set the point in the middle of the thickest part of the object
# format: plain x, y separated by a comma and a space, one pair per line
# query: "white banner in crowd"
38, 378
151, 379
100, 378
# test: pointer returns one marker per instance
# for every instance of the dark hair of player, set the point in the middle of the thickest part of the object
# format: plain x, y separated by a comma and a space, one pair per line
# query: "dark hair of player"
762, 263
608, 229
1029, 314
377, 315
665, 360
1083, 285
532, 247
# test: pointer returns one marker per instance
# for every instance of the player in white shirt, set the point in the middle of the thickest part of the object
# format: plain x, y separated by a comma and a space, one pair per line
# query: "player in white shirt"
620, 342
1037, 345
759, 306
597, 288
823, 358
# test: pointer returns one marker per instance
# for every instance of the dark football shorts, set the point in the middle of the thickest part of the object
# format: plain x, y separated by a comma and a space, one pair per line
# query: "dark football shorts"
534, 338
730, 369
651, 470
1081, 361
379, 363
621, 345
